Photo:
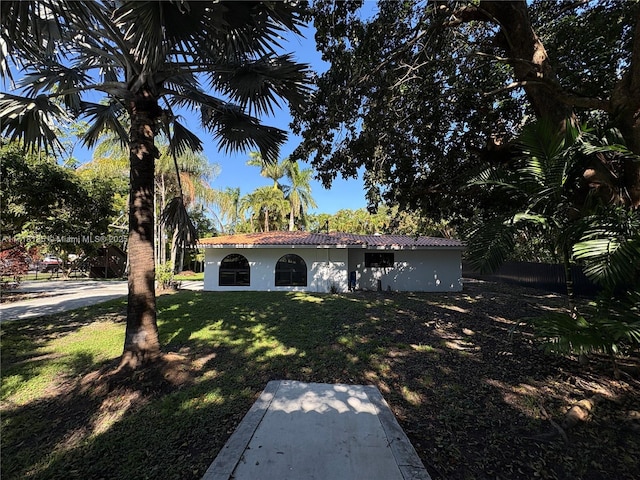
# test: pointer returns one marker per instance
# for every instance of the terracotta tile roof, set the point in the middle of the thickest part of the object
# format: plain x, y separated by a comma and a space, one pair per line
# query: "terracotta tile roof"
331, 239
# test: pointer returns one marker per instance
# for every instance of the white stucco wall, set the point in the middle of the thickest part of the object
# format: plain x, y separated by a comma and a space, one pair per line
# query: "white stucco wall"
428, 270
325, 268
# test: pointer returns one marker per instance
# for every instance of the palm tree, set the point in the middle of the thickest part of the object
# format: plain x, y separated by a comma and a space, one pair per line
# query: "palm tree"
191, 186
605, 237
149, 60
540, 196
267, 205
273, 170
299, 192
227, 208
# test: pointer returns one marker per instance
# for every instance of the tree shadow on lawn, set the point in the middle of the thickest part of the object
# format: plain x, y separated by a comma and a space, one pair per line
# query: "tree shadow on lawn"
470, 396
25, 343
36, 331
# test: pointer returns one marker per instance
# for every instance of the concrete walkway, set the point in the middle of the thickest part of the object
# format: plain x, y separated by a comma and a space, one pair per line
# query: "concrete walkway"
64, 295
304, 431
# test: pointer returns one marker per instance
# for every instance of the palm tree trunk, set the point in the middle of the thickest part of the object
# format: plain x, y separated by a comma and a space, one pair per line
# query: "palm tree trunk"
141, 342
156, 225
163, 230
291, 220
180, 261
174, 250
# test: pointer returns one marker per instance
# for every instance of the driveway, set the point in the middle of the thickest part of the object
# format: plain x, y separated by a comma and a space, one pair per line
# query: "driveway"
64, 295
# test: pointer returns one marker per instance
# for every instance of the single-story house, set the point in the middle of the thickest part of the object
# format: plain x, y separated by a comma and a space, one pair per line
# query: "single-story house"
333, 262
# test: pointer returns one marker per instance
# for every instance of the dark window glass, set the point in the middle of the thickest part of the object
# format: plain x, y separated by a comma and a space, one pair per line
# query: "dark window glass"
234, 271
378, 259
291, 271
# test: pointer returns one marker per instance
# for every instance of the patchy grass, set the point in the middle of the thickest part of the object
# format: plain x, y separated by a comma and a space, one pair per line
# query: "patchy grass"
188, 275
476, 399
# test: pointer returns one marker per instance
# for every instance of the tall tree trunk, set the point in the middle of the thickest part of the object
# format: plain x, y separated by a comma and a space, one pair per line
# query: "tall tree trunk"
625, 103
180, 261
141, 342
550, 100
174, 250
163, 230
156, 226
291, 220
531, 65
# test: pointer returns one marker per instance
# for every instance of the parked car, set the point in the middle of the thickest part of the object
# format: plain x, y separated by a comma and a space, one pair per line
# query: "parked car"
51, 263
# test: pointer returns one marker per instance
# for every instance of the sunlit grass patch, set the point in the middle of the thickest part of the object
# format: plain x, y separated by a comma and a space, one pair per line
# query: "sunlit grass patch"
189, 277
59, 358
411, 396
423, 348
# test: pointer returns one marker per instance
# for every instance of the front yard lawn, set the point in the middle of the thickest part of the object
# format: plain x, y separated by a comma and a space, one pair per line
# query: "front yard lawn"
477, 398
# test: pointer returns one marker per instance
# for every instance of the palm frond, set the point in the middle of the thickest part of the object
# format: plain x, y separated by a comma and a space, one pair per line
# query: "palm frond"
608, 325
31, 120
547, 157
32, 31
192, 97
489, 245
541, 140
609, 261
259, 84
178, 81
541, 220
235, 130
183, 140
175, 216
202, 32
30, 28
104, 118
65, 81
591, 149
494, 176
154, 28
610, 247
564, 333
248, 29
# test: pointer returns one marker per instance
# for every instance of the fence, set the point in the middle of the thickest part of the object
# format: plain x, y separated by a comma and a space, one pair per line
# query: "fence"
550, 277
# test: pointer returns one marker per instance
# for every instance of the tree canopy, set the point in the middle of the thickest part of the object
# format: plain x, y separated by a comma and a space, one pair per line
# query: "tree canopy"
421, 93
44, 202
146, 62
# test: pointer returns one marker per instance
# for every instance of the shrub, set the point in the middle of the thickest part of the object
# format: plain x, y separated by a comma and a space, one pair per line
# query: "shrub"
164, 275
14, 263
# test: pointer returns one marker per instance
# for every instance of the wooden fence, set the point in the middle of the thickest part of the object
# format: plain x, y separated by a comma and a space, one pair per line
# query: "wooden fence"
545, 276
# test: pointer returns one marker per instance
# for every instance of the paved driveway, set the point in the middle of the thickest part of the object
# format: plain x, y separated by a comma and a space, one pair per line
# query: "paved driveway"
64, 295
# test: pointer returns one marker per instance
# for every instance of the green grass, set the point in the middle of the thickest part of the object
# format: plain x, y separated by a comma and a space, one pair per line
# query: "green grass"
459, 397
194, 276
31, 277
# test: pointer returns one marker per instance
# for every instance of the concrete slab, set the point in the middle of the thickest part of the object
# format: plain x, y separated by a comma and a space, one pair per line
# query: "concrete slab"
303, 431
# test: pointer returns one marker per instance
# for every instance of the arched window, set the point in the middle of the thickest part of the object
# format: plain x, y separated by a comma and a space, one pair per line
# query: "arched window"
234, 271
291, 271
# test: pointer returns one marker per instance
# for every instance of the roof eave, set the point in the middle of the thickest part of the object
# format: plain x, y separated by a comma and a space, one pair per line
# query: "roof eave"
341, 246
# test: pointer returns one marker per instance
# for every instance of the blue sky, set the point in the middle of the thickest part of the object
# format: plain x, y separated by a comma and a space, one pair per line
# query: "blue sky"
235, 173
233, 170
